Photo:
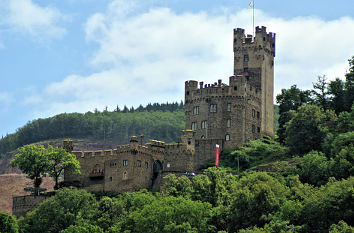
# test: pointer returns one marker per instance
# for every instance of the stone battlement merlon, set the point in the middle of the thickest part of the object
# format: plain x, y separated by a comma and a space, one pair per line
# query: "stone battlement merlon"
238, 86
261, 39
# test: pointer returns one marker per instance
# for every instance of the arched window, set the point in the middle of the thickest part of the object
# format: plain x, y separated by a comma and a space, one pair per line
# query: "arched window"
125, 175
227, 137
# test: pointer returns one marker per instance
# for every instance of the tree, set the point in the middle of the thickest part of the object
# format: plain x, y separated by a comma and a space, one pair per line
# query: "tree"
32, 160
320, 92
349, 86
171, 215
289, 99
68, 207
58, 160
341, 227
255, 198
37, 161
314, 168
336, 94
8, 223
307, 129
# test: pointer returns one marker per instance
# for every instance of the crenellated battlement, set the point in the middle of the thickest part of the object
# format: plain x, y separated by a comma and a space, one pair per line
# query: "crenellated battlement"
238, 89
261, 41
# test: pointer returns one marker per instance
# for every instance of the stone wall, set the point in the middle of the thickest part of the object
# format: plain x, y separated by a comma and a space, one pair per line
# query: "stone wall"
23, 204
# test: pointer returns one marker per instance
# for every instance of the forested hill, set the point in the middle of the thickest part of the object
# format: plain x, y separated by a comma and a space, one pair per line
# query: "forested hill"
156, 121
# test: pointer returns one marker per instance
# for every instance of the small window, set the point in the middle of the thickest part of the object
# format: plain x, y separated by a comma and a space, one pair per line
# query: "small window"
138, 163
168, 165
263, 38
228, 123
125, 175
227, 137
253, 113
253, 128
213, 108
125, 163
196, 110
245, 58
146, 164
258, 114
229, 107
110, 178
202, 137
245, 69
187, 93
235, 88
194, 125
258, 129
204, 124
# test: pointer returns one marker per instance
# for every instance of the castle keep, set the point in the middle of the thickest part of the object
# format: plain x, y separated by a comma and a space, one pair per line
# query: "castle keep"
218, 113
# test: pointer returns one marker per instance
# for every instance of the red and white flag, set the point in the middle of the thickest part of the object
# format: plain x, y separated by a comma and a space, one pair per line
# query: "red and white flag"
217, 155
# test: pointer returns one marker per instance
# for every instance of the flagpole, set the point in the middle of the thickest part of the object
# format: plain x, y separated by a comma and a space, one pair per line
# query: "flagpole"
253, 18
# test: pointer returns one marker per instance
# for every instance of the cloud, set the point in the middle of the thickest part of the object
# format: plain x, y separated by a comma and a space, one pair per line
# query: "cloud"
146, 55
24, 16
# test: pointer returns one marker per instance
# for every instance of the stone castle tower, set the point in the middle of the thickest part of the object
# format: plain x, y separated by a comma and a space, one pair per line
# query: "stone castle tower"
254, 57
242, 110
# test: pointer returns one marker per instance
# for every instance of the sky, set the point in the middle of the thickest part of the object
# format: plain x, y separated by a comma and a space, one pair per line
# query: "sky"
80, 55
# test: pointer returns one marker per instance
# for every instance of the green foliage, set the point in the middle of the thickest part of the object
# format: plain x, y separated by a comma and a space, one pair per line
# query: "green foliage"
307, 129
32, 160
314, 168
100, 126
255, 152
254, 199
328, 205
36, 161
58, 160
68, 207
8, 223
289, 99
341, 227
171, 214
85, 228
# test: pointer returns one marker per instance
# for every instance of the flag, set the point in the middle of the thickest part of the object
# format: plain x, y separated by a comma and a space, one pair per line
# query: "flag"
250, 4
217, 155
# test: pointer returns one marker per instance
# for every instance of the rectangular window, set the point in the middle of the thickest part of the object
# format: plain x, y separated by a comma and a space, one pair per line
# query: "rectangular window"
204, 124
258, 129
258, 115
228, 123
245, 69
253, 128
125, 163
229, 107
253, 113
194, 125
138, 163
146, 164
213, 108
196, 110
245, 58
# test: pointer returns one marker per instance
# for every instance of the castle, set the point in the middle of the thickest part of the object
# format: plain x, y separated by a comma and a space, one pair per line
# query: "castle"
225, 114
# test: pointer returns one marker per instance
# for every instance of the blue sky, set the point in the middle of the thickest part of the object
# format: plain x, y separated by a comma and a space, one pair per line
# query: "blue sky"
77, 55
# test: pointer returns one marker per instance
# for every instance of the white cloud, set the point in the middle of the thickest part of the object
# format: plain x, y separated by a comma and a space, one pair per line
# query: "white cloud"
27, 17
146, 56
6, 98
